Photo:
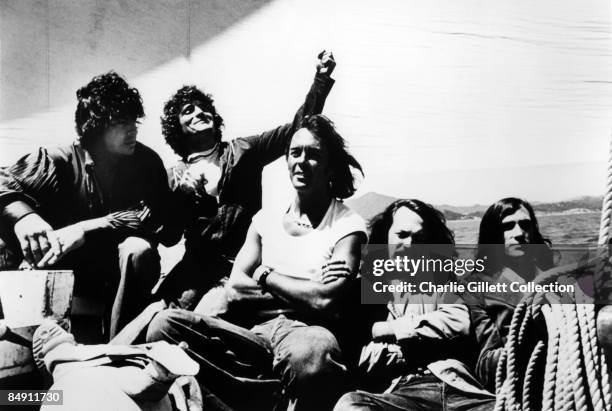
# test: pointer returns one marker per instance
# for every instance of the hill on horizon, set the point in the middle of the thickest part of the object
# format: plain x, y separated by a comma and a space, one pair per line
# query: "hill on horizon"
372, 203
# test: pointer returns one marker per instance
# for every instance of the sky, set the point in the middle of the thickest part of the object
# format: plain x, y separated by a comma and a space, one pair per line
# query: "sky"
450, 102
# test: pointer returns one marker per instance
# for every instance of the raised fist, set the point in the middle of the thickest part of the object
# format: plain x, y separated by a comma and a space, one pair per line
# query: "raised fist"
326, 63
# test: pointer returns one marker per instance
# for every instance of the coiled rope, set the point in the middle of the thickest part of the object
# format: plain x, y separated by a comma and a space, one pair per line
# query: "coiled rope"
552, 359
555, 364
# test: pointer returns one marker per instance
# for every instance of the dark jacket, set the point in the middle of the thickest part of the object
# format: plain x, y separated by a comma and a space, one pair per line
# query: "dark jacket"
59, 185
490, 323
217, 229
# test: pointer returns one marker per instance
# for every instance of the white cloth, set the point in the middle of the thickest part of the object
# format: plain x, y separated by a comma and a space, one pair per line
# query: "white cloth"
207, 169
303, 256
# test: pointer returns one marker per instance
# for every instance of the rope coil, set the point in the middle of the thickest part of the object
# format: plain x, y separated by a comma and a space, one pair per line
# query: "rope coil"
562, 370
575, 374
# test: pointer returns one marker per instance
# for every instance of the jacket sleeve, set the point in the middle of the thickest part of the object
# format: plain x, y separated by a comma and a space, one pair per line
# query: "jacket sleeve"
31, 181
270, 145
447, 322
434, 335
157, 215
168, 208
490, 340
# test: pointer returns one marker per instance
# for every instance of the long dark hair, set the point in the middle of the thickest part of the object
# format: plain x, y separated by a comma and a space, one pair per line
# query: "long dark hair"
434, 223
343, 165
492, 231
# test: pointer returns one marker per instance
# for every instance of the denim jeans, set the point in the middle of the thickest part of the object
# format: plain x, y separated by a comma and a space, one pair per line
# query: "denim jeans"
416, 392
280, 361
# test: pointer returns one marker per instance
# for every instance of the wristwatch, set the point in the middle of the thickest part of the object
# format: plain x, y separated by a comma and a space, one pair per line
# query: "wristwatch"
262, 279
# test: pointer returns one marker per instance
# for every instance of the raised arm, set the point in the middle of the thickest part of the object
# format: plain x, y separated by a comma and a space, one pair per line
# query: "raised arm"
271, 144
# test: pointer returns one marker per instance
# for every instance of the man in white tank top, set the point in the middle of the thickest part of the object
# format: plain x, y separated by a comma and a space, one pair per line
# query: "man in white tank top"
219, 182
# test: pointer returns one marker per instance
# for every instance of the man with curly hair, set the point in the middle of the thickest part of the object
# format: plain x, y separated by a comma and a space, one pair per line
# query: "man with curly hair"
220, 181
96, 206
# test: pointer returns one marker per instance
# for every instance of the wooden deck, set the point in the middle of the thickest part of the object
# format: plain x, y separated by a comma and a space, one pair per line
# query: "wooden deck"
26, 298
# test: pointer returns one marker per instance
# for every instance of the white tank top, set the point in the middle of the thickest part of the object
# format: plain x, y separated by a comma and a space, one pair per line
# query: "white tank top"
303, 256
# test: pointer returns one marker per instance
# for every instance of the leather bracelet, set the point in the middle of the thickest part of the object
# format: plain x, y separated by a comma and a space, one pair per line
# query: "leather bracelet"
262, 279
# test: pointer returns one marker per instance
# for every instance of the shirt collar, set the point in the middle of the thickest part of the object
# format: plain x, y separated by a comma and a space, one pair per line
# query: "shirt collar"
193, 157
84, 155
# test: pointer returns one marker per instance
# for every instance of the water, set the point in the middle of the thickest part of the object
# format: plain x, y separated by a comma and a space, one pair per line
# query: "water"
559, 228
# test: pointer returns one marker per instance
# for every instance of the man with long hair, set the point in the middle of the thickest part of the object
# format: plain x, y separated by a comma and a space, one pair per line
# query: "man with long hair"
287, 292
220, 181
98, 206
513, 223
516, 250
418, 355
465, 378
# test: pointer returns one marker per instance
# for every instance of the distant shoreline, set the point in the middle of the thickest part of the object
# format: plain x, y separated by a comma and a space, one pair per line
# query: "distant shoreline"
567, 212
370, 204
575, 211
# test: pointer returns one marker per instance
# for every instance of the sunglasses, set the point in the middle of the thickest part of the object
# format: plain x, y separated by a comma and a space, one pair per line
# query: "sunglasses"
525, 225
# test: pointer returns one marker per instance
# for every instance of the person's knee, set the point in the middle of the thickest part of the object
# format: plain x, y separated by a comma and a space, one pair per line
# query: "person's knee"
311, 356
162, 326
137, 248
319, 351
139, 262
351, 401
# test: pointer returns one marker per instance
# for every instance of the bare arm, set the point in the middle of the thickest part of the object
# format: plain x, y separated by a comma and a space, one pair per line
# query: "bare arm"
247, 260
319, 297
241, 289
